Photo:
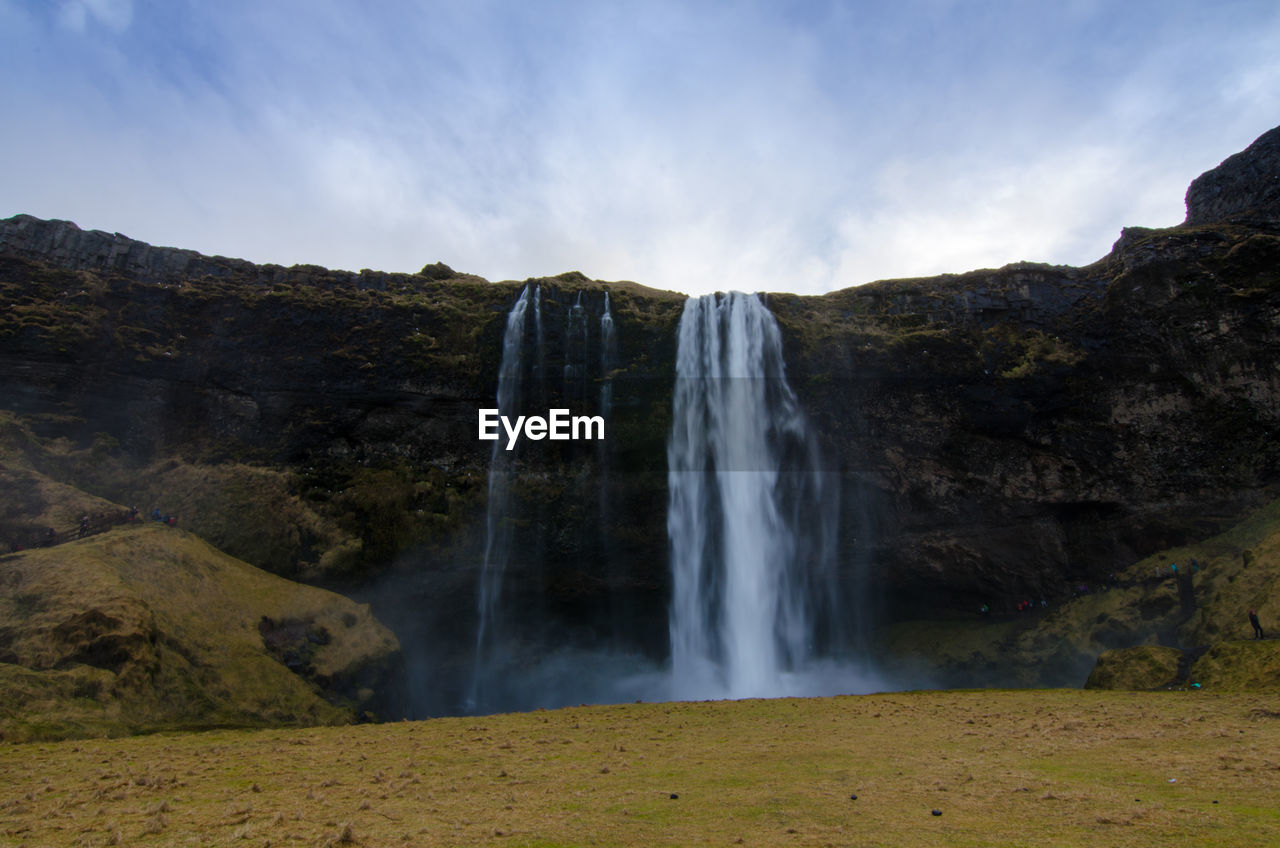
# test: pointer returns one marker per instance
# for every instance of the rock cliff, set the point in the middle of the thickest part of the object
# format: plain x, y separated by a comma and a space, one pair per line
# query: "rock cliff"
1243, 189
998, 434
1075, 418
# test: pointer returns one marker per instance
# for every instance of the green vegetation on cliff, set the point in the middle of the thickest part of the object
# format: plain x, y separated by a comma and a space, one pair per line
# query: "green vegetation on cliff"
1149, 626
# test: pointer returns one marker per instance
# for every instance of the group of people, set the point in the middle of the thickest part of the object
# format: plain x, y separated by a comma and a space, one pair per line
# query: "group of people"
86, 527
156, 515
165, 518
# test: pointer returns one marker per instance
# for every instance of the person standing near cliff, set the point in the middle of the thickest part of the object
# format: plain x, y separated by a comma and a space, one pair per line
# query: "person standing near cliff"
1257, 626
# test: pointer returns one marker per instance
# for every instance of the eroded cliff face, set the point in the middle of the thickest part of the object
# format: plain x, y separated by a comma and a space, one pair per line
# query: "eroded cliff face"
997, 434
1078, 419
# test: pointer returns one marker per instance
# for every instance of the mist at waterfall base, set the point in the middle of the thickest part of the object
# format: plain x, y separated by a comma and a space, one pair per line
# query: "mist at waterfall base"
757, 604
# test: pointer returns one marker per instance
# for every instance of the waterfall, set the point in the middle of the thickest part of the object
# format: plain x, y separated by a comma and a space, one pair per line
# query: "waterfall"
497, 546
750, 519
575, 355
539, 362
620, 612
608, 359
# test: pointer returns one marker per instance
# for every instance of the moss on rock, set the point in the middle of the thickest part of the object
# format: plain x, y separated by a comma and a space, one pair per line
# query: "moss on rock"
1251, 666
1141, 667
148, 627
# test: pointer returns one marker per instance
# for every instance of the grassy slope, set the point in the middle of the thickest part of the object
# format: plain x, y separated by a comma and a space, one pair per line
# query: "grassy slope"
252, 512
1030, 768
148, 627
1238, 570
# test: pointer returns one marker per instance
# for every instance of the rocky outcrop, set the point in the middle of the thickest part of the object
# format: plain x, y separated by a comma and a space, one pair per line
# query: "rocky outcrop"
1137, 668
1245, 188
146, 627
1240, 667
65, 245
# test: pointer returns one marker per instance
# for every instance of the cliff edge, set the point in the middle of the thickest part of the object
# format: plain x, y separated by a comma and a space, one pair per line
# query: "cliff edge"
1245, 188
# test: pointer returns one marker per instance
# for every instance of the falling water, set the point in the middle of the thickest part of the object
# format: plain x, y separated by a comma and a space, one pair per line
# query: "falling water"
608, 357
751, 523
621, 613
540, 359
575, 355
497, 528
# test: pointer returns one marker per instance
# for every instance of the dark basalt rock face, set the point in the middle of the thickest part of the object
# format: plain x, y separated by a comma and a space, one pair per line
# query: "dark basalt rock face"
1244, 188
1133, 409
998, 434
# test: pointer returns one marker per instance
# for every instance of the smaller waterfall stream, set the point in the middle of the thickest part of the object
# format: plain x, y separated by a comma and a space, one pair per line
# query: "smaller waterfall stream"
575, 355
608, 358
497, 547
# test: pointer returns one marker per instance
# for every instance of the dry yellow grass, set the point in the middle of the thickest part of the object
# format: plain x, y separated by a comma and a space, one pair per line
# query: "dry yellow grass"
1025, 768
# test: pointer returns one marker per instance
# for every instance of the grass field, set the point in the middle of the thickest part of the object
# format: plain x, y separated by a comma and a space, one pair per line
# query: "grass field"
1027, 768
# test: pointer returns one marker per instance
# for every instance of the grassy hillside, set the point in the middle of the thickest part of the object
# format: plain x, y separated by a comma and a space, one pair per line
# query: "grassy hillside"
1027, 768
1144, 605
147, 626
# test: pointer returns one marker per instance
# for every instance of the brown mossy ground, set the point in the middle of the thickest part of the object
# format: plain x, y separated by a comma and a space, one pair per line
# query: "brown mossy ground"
1141, 667
1029, 768
146, 627
1240, 666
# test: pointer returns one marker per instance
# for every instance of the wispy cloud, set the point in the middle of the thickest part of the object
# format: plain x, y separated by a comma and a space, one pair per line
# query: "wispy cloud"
77, 15
686, 146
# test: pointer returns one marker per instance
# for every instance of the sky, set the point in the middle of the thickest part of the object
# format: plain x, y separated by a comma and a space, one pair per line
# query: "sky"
694, 146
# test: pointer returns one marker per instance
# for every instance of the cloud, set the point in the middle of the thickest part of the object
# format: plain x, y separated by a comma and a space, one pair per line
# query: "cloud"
943, 215
805, 148
115, 15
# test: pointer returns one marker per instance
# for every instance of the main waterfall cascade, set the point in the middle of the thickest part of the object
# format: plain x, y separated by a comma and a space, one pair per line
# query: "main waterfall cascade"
756, 608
